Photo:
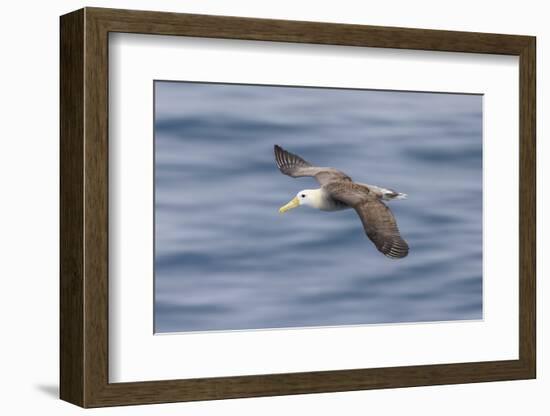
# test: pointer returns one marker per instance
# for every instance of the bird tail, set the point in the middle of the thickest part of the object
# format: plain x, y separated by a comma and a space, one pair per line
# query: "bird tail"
390, 194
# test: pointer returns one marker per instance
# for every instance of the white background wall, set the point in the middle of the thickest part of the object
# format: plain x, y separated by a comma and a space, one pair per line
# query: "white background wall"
29, 85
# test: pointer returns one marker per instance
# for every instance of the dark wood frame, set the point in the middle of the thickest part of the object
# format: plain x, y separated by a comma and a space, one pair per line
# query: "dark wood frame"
84, 207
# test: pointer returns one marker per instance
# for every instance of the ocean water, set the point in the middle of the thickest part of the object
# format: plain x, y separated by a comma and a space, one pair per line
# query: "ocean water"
225, 259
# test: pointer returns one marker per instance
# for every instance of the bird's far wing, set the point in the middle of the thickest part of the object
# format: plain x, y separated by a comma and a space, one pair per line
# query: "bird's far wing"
381, 227
378, 221
293, 165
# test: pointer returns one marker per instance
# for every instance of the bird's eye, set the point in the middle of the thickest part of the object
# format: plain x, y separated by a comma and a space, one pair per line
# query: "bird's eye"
303, 195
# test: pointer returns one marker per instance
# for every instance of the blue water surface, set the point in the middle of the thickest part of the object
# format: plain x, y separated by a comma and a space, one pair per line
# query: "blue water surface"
225, 259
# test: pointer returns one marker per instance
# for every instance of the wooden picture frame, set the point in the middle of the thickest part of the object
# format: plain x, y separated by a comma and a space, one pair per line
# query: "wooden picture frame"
84, 207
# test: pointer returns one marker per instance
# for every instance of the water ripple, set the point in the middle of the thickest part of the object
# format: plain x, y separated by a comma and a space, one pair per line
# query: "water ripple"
225, 259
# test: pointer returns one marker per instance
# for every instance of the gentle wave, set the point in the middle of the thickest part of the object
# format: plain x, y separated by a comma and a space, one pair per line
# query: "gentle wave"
225, 259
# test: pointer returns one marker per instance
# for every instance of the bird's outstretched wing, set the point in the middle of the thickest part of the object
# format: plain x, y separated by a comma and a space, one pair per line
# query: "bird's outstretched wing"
293, 165
378, 220
381, 227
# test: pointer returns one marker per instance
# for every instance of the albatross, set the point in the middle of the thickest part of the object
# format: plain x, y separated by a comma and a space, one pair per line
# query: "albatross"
338, 192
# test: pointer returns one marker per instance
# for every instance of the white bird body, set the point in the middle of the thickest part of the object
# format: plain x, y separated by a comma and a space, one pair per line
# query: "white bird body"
322, 200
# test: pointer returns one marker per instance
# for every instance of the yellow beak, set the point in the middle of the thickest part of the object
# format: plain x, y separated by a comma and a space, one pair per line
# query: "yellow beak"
292, 204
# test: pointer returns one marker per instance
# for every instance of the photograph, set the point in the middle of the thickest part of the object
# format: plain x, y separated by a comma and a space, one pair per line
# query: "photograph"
286, 206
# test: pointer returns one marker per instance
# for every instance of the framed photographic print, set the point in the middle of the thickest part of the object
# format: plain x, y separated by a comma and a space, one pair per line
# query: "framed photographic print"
255, 207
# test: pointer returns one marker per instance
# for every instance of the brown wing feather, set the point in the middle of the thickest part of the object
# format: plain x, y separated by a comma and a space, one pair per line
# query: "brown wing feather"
378, 220
381, 227
293, 165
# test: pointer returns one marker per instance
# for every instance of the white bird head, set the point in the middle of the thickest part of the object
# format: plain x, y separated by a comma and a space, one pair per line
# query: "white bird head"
309, 197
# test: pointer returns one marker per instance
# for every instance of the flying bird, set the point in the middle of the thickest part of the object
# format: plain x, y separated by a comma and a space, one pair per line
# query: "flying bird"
338, 192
